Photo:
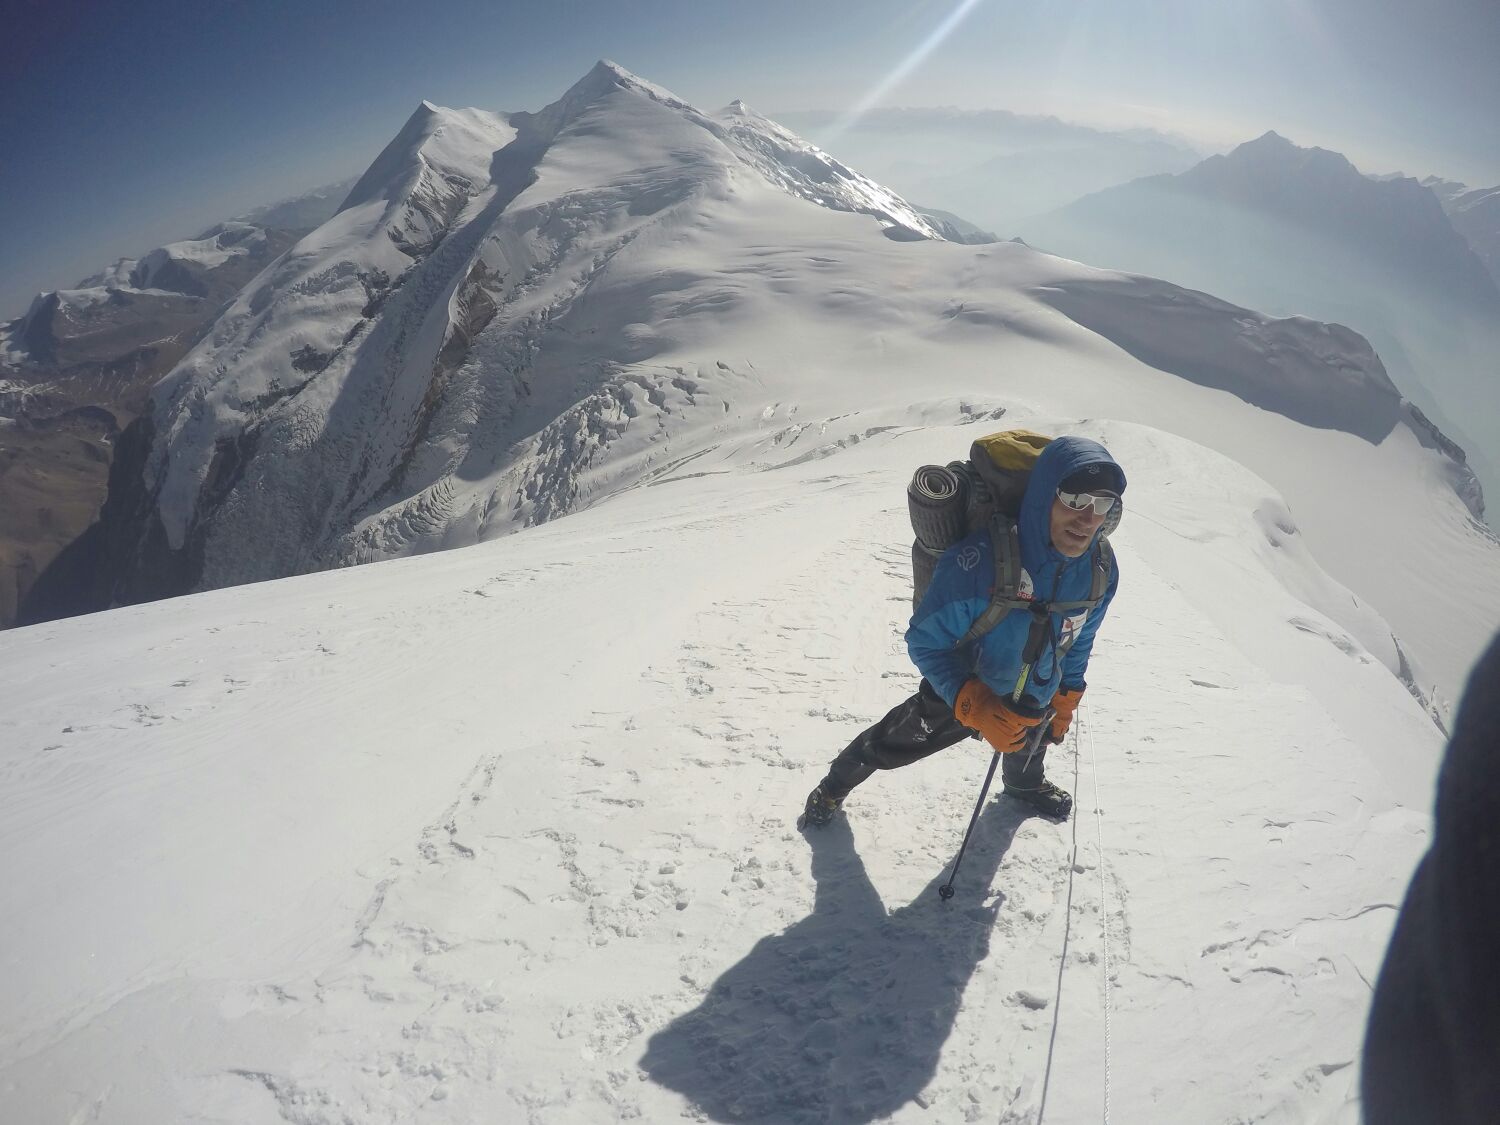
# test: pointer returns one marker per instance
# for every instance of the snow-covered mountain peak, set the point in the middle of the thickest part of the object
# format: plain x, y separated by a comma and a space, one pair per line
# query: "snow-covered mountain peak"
739, 110
452, 143
116, 274
609, 100
167, 267
606, 74
605, 81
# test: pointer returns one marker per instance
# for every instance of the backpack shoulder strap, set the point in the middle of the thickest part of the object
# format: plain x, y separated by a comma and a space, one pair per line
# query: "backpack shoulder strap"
1104, 571
1005, 544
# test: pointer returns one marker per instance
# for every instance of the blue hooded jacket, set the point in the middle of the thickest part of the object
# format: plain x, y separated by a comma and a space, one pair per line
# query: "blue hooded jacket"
965, 577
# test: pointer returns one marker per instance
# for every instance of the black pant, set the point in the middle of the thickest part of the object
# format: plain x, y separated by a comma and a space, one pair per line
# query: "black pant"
912, 730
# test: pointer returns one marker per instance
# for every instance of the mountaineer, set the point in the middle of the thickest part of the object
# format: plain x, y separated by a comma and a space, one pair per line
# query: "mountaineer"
1003, 633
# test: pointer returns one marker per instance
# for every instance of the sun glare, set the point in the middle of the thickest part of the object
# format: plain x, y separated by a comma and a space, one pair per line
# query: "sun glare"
905, 67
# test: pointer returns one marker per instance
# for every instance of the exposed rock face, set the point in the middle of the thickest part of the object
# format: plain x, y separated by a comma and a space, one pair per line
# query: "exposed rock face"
79, 578
78, 368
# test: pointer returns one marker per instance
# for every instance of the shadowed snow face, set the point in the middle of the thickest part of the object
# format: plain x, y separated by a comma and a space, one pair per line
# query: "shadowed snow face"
1072, 531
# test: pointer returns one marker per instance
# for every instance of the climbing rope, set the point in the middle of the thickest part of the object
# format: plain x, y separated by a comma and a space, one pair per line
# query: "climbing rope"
1103, 915
1062, 964
1068, 923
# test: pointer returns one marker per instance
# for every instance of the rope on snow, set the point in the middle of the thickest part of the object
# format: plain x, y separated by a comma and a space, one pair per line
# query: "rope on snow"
1063, 961
1103, 914
1068, 924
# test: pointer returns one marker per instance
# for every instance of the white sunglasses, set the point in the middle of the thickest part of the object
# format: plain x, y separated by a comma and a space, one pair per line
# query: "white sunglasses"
1101, 502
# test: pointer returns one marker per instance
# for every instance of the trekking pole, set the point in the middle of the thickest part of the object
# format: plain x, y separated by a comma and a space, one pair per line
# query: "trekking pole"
1035, 638
945, 892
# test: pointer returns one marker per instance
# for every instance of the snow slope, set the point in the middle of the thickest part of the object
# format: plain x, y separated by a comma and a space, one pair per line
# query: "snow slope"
506, 833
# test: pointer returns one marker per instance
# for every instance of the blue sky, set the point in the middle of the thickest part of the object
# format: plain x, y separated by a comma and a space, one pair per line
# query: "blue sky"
123, 126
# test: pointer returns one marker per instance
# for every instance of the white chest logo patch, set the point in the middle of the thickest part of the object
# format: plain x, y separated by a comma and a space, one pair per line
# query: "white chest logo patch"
1025, 589
968, 558
1070, 627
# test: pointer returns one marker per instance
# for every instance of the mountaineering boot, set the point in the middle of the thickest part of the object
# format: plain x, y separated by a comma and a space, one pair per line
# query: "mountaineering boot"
820, 809
1046, 798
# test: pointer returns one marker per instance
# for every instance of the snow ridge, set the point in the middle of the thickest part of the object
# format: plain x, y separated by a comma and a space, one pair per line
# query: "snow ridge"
807, 171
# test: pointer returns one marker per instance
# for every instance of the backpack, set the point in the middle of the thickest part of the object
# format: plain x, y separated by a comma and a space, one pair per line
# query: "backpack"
949, 502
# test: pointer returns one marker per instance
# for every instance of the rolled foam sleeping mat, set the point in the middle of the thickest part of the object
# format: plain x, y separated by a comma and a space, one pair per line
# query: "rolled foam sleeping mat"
936, 499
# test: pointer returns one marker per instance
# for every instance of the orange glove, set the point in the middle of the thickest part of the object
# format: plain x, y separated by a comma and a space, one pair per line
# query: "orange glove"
1064, 703
1003, 727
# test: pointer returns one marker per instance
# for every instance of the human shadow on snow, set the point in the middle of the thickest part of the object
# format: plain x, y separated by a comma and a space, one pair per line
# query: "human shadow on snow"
841, 1018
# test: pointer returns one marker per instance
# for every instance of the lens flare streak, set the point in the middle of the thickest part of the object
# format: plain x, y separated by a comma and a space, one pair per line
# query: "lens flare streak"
906, 66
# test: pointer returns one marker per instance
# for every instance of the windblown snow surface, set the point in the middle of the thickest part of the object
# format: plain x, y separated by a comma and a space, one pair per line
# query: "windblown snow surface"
507, 833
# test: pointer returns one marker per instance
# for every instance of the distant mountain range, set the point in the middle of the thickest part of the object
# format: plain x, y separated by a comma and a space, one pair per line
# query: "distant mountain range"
993, 167
1299, 231
77, 367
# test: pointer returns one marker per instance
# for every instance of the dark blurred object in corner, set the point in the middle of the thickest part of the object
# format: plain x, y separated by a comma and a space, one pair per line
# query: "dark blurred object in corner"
1432, 1049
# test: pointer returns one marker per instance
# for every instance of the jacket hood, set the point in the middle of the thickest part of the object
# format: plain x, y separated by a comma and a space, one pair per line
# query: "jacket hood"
1059, 459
